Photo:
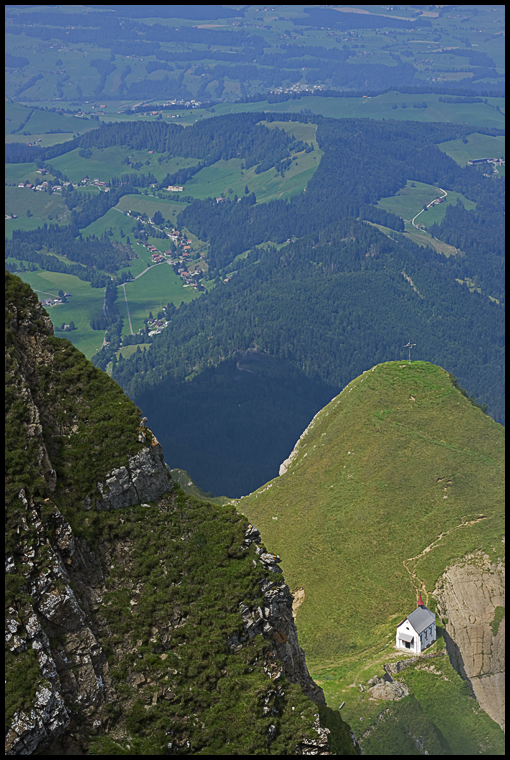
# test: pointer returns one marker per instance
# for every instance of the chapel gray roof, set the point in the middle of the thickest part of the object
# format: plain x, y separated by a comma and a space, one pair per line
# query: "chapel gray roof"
421, 618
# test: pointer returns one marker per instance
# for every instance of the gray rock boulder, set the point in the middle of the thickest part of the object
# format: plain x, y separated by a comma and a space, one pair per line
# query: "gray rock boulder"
144, 479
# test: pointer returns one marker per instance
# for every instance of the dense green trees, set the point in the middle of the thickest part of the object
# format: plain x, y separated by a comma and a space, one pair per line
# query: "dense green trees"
325, 309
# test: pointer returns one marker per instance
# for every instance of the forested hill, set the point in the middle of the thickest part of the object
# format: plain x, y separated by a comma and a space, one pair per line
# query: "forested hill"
326, 307
224, 137
363, 161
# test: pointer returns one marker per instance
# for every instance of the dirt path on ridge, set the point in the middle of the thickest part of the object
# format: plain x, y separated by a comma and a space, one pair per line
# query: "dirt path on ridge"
415, 580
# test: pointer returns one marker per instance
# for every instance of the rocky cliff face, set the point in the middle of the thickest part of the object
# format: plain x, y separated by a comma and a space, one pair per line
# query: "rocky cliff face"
470, 597
144, 478
135, 616
62, 622
275, 619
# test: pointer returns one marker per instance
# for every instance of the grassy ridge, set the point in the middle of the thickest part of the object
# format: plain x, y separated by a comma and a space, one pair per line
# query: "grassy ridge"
393, 480
363, 494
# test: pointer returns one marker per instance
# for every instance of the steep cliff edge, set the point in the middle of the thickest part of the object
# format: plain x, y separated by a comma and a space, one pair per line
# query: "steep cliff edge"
138, 619
470, 598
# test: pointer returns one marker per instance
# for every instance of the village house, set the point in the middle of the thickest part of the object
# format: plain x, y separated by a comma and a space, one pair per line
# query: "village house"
417, 631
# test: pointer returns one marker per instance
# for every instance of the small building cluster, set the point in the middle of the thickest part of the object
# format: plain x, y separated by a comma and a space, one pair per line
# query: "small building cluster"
54, 301
495, 161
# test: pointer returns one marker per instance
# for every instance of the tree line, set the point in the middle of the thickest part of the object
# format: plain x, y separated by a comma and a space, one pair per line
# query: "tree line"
342, 287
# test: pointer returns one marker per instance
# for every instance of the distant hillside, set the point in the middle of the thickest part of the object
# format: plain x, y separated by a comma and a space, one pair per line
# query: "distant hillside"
320, 310
396, 479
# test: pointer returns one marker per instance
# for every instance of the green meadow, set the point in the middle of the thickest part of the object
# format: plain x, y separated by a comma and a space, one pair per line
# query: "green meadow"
113, 220
149, 204
43, 207
43, 122
477, 146
365, 482
106, 163
363, 521
150, 293
15, 115
45, 140
15, 173
439, 708
84, 303
409, 200
227, 178
381, 107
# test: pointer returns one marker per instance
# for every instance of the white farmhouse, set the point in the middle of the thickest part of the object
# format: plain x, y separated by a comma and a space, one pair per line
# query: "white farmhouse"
417, 631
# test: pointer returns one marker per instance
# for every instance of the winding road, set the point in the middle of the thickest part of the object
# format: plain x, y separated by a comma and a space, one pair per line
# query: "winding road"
428, 206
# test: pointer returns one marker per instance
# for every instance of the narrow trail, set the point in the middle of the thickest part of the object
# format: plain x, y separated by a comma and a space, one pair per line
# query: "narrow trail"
127, 309
415, 580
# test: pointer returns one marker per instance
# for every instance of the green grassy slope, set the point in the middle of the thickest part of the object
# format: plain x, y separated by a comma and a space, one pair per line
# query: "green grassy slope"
395, 478
363, 494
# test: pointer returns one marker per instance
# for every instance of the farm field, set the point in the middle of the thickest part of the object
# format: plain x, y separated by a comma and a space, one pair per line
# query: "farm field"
41, 122
81, 306
15, 115
149, 205
44, 208
151, 292
106, 163
226, 178
46, 140
24, 223
477, 146
15, 173
381, 107
410, 200
113, 220
44, 121
126, 351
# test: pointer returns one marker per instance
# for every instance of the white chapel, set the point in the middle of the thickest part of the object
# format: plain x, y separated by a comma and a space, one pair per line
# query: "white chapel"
417, 631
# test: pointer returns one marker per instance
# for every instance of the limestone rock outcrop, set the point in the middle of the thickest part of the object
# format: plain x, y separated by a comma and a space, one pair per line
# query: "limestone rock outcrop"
388, 690
145, 478
468, 595
72, 665
276, 621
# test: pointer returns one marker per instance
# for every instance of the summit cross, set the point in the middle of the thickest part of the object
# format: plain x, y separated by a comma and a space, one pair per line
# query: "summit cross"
410, 346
